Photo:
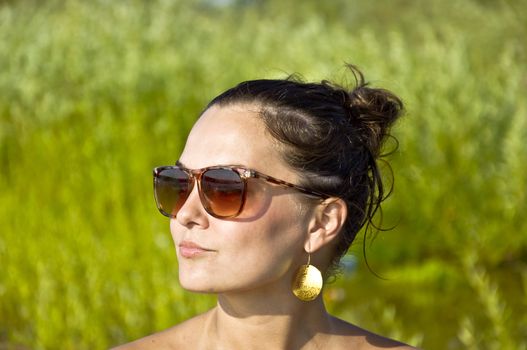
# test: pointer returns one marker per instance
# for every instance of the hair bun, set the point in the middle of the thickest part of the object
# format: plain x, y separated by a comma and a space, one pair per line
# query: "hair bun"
372, 110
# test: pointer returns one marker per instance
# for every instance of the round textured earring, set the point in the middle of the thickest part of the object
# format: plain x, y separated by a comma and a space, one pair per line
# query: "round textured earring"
307, 282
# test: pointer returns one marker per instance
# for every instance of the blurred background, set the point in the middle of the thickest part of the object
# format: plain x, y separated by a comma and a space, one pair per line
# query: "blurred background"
94, 94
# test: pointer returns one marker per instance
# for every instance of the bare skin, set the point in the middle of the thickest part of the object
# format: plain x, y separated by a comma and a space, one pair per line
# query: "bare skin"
250, 261
216, 329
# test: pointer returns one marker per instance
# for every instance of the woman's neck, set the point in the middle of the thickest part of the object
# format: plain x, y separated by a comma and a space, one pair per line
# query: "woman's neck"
249, 320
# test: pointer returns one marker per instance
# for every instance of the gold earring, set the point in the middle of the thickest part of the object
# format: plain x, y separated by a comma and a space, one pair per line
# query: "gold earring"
307, 283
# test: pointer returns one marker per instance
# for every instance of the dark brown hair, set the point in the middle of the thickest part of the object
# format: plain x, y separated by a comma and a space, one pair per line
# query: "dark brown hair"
332, 136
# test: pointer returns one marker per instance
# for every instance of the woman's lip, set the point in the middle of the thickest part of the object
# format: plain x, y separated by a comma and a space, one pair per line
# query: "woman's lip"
189, 249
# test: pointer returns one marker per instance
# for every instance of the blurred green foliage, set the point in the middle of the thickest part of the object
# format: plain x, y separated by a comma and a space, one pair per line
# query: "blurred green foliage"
94, 94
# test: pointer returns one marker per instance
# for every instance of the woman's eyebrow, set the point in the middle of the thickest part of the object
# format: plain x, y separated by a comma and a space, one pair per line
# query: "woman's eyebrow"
180, 164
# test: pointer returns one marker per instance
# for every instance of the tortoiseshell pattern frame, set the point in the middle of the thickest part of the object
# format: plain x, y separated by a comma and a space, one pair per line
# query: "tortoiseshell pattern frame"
243, 173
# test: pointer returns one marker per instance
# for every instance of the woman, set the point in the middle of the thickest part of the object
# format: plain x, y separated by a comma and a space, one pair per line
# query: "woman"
275, 180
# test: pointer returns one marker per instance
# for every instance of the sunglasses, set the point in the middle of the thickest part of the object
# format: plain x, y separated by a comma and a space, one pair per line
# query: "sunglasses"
222, 189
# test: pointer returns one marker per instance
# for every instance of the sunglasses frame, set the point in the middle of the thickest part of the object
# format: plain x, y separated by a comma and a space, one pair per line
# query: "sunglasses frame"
195, 176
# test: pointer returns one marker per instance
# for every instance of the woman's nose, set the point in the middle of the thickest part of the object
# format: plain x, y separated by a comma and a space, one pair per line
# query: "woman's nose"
192, 212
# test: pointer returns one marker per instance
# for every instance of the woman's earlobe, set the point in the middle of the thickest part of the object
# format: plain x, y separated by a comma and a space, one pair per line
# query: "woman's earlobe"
326, 223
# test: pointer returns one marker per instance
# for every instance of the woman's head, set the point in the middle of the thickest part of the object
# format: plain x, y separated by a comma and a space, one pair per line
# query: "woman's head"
329, 135
318, 136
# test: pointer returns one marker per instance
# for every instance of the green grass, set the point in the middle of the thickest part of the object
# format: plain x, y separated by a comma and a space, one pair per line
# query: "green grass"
94, 94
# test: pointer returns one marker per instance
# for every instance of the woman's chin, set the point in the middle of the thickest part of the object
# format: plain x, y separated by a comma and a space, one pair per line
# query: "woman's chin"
198, 285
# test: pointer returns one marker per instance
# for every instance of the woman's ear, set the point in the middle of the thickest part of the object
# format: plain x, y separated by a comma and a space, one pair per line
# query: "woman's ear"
325, 224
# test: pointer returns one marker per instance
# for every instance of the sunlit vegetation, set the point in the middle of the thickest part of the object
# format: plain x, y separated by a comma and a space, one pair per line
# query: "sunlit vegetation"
94, 94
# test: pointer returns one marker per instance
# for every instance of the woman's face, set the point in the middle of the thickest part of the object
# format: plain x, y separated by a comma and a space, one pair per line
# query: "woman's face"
264, 244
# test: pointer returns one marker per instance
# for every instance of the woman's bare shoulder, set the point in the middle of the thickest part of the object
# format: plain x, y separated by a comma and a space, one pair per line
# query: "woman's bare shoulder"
183, 335
351, 336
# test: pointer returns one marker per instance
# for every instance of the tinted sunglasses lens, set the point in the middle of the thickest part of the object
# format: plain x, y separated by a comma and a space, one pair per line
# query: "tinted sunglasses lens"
222, 192
171, 188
